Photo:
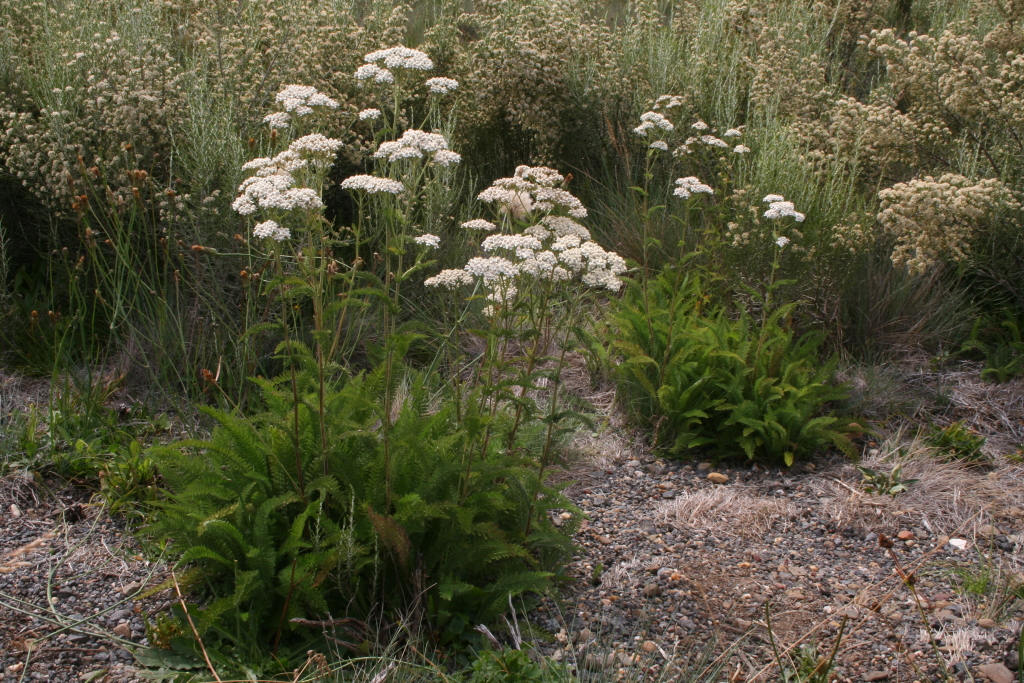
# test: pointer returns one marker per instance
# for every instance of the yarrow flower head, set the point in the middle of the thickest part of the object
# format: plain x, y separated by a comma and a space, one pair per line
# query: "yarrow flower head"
781, 208
660, 145
449, 279
732, 133
271, 230
277, 119
299, 100
316, 145
369, 114
441, 85
769, 198
372, 184
428, 240
700, 125
782, 241
401, 57
741, 149
651, 120
372, 71
491, 269
713, 141
532, 189
479, 224
271, 187
415, 144
691, 185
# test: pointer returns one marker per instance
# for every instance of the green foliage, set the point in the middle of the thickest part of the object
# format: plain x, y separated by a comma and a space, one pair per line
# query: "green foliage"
889, 483
515, 666
1002, 348
283, 520
957, 442
703, 379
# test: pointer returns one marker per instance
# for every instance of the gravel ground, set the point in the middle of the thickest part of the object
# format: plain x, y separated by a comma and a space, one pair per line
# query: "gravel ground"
71, 589
683, 559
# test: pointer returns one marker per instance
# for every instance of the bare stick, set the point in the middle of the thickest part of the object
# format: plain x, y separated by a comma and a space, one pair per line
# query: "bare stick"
194, 631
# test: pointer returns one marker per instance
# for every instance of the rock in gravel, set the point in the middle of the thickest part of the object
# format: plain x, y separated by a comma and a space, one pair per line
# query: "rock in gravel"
718, 478
649, 646
876, 676
604, 540
599, 500
584, 636
986, 623
652, 590
703, 466
987, 530
905, 535
123, 631
997, 673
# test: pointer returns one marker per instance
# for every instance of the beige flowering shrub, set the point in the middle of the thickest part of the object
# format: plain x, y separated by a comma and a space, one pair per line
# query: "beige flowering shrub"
935, 218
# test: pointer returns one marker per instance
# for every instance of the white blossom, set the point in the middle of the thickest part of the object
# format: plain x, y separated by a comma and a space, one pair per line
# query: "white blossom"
299, 98
659, 144
401, 57
732, 133
656, 119
413, 144
690, 186
562, 226
449, 279
491, 269
445, 157
441, 85
523, 245
277, 119
781, 209
316, 144
379, 75
773, 198
371, 114
428, 240
642, 129
741, 149
782, 241
479, 224
699, 125
713, 141
372, 184
271, 230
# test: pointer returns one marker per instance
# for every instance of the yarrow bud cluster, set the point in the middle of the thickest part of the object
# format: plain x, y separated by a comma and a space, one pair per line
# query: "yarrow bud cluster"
689, 186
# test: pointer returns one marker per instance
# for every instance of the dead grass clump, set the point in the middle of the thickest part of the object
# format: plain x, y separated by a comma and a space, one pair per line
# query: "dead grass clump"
947, 497
723, 510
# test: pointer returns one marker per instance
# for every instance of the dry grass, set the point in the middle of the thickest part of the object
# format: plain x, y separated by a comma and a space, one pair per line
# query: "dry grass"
949, 497
729, 511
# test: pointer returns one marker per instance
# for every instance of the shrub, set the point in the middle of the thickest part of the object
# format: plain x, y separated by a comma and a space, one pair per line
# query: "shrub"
957, 442
515, 666
1003, 350
710, 380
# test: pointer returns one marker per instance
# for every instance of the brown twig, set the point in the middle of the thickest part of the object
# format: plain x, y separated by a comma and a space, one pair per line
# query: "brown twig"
195, 632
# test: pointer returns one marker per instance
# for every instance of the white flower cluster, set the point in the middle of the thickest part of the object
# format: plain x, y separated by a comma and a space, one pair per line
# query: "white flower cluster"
732, 133
492, 268
778, 207
369, 114
532, 188
524, 246
479, 224
414, 144
651, 120
393, 58
659, 144
297, 100
782, 241
271, 230
668, 102
316, 145
274, 191
372, 184
287, 161
442, 85
741, 149
700, 125
558, 227
713, 141
428, 240
689, 186
450, 279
